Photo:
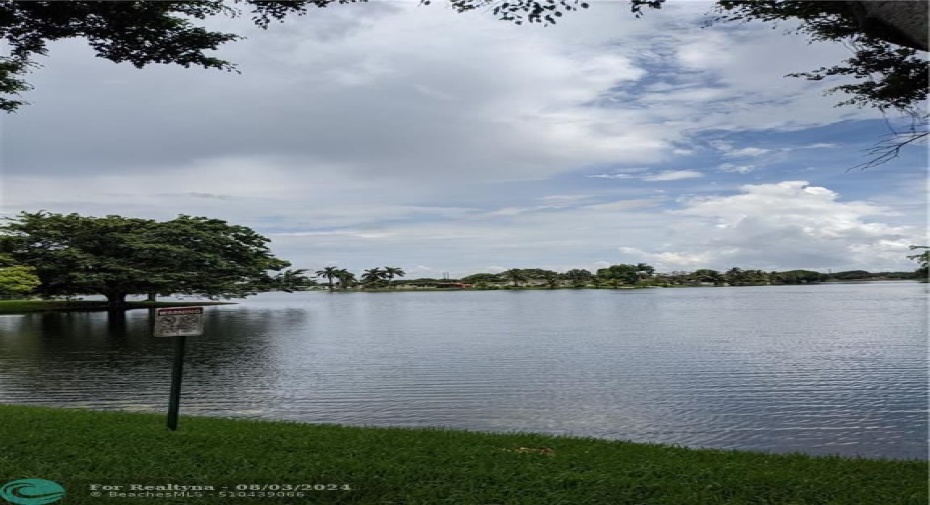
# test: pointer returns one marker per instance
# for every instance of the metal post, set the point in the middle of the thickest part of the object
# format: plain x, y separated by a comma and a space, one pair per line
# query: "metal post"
174, 403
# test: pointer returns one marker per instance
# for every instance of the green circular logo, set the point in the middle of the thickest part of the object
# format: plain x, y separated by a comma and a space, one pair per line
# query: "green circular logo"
32, 492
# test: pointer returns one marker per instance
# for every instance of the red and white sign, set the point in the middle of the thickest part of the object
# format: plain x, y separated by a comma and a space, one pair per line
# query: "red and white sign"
179, 321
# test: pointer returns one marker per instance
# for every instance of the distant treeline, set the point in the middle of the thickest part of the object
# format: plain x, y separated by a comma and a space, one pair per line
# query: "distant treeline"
614, 276
619, 276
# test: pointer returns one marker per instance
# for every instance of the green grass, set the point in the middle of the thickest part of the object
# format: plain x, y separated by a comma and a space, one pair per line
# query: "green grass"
26, 306
78, 448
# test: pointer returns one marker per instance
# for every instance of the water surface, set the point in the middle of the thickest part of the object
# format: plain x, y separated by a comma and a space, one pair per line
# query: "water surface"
823, 369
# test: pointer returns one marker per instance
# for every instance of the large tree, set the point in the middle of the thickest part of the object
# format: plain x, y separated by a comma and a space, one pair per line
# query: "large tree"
623, 274
116, 256
516, 275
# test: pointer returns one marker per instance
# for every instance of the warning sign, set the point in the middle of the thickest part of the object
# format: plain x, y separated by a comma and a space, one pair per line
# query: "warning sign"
179, 321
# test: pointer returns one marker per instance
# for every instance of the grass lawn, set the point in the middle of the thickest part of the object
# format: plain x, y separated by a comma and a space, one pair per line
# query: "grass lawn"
78, 448
24, 306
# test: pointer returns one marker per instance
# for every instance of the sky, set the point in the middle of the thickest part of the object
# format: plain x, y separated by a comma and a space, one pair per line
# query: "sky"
389, 133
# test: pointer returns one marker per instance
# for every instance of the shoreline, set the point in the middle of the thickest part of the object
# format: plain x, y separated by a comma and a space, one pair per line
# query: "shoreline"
590, 287
12, 307
33, 306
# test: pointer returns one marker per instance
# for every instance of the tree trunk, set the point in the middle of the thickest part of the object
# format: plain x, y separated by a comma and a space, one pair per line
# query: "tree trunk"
152, 297
900, 22
116, 300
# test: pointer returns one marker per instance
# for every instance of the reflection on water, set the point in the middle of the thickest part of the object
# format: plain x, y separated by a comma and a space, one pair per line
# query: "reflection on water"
819, 369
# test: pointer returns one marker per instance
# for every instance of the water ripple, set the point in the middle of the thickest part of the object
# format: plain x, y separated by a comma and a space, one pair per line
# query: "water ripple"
832, 369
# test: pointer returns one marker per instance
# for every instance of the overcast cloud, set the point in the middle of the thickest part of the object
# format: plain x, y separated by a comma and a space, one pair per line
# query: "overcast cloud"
392, 134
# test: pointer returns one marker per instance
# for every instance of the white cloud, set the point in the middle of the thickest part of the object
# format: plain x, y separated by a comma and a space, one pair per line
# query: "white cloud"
513, 211
563, 200
670, 261
673, 175
778, 225
730, 151
613, 176
454, 141
667, 175
624, 205
747, 152
375, 88
820, 145
736, 168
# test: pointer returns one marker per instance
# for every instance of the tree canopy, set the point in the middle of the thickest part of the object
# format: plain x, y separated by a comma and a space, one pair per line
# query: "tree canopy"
887, 63
923, 259
137, 32
116, 256
16, 279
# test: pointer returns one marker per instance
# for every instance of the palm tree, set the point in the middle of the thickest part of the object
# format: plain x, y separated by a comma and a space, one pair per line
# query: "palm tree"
330, 273
391, 272
373, 276
346, 278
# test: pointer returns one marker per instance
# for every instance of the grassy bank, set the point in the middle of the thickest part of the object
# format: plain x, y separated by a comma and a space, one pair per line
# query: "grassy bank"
26, 306
78, 448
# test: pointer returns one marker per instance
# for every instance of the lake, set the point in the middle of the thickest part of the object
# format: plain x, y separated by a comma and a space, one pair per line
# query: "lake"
821, 369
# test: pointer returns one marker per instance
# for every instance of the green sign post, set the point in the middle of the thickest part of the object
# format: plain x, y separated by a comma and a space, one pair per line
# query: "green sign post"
179, 322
